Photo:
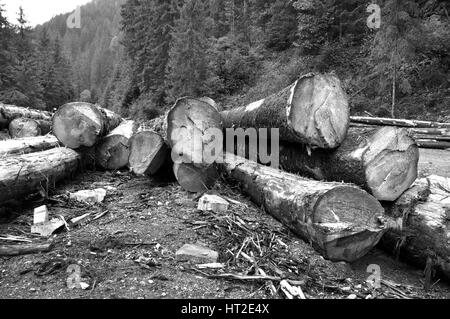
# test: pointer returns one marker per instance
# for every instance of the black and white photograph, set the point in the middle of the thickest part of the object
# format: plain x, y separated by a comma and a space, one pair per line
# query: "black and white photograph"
225, 155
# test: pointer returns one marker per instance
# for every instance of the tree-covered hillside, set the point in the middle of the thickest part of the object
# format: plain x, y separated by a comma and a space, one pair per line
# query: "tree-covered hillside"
138, 56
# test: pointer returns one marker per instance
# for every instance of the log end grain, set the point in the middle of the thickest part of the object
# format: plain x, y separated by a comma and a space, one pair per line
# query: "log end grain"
348, 223
24, 127
77, 124
391, 163
320, 110
187, 123
195, 179
113, 152
148, 152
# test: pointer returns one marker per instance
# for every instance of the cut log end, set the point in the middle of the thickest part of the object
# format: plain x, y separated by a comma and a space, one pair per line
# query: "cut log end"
187, 122
23, 127
114, 153
148, 153
320, 110
194, 179
391, 172
356, 216
77, 124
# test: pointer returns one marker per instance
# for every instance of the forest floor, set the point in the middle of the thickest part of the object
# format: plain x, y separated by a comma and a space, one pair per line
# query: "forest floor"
130, 251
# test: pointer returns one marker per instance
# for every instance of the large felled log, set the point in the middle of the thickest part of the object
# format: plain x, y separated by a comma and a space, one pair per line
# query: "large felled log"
195, 179
422, 232
16, 250
384, 161
83, 124
11, 112
148, 153
313, 111
26, 174
398, 122
24, 127
342, 221
113, 150
28, 145
189, 124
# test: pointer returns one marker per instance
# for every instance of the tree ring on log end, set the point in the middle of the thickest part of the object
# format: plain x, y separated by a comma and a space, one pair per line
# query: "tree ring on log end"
194, 179
391, 171
320, 110
114, 152
77, 124
348, 205
147, 153
187, 124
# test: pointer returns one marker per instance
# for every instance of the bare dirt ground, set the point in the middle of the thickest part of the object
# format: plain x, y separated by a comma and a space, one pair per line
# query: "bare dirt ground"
130, 251
434, 162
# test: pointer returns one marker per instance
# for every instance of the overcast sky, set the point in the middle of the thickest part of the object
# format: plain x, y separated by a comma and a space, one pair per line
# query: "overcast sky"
39, 11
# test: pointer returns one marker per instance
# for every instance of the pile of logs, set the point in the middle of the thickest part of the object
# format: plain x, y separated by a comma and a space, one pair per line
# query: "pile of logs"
19, 122
341, 183
427, 134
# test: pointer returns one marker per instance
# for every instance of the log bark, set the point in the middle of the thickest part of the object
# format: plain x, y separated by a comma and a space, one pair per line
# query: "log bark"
195, 179
422, 229
27, 174
83, 124
10, 112
342, 221
188, 123
433, 144
28, 145
313, 111
25, 127
113, 150
148, 153
17, 250
384, 161
398, 122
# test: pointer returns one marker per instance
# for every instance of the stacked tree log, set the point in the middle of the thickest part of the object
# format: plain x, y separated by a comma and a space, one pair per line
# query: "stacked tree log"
178, 138
19, 122
421, 231
427, 134
316, 140
34, 164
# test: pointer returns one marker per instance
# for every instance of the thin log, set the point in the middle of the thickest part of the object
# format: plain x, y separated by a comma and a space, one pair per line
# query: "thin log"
28, 145
17, 250
83, 124
313, 111
30, 173
341, 221
383, 161
10, 112
421, 232
113, 150
433, 144
398, 122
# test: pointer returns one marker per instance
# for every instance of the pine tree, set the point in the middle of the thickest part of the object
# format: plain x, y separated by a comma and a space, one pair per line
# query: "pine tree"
189, 69
26, 72
394, 46
6, 52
